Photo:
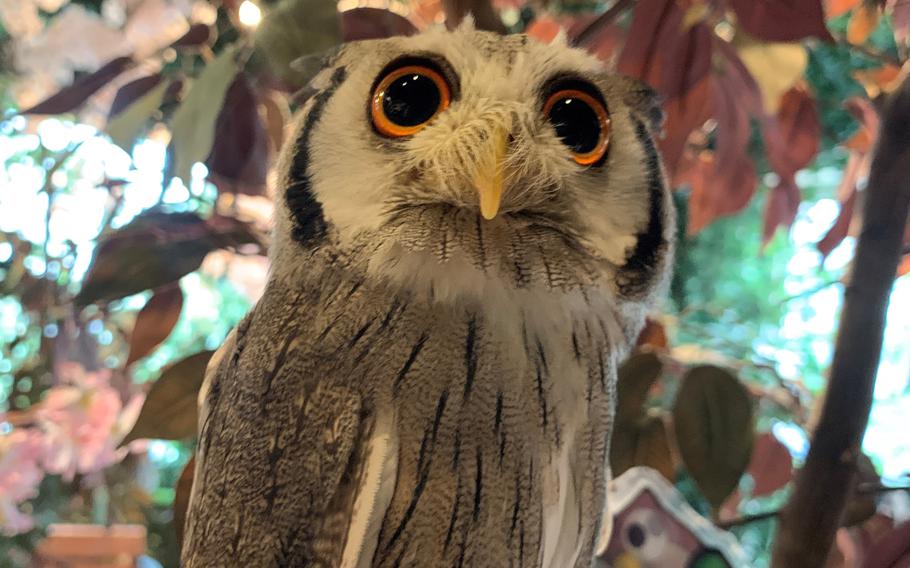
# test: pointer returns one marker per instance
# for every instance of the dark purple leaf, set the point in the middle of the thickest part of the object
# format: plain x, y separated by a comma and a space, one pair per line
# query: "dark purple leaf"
197, 35
156, 249
131, 92
373, 23
155, 321
782, 20
70, 98
239, 159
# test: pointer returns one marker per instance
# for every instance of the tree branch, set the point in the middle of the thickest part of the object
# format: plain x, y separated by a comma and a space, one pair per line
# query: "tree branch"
812, 516
485, 16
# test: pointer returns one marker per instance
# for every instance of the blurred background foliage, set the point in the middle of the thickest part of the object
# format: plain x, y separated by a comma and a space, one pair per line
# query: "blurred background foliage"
134, 218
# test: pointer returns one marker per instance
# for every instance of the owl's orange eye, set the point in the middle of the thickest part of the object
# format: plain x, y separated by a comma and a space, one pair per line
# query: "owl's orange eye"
407, 98
581, 122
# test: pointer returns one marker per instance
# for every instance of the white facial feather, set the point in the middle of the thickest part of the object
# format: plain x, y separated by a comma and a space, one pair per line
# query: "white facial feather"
358, 177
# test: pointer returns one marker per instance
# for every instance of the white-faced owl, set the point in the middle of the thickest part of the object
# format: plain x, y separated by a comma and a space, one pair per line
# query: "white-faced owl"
470, 229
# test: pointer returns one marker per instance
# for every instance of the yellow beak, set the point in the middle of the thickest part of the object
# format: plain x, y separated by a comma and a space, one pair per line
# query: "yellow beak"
626, 560
489, 178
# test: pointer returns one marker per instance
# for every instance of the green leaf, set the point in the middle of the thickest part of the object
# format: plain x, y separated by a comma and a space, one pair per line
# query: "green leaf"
635, 378
193, 126
127, 125
293, 29
170, 411
714, 430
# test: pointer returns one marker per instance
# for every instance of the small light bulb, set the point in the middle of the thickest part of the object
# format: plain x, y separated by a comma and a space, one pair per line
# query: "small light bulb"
249, 13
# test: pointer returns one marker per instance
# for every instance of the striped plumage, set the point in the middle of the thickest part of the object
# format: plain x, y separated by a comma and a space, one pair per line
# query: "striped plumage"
419, 386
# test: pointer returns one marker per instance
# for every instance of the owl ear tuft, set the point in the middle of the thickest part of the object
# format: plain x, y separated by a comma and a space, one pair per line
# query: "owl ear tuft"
645, 102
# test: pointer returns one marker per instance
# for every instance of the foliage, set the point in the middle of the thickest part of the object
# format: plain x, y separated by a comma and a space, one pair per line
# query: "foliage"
755, 92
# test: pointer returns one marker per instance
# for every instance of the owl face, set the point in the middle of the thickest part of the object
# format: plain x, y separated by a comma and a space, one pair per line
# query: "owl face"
470, 151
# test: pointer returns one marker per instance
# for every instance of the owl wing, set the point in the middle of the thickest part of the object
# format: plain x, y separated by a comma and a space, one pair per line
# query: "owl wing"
273, 450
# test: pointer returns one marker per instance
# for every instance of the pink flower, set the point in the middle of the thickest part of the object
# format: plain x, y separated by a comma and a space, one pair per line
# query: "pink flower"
84, 420
20, 474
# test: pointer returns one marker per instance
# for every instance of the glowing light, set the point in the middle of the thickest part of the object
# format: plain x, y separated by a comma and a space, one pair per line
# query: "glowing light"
249, 13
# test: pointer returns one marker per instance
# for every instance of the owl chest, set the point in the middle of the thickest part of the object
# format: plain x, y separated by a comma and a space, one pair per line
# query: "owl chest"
493, 423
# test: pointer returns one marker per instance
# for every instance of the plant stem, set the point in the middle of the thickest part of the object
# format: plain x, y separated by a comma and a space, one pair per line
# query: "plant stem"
812, 516
748, 519
589, 33
864, 489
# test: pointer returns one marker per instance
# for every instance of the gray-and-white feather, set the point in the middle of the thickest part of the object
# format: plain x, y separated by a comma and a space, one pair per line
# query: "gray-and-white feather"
420, 386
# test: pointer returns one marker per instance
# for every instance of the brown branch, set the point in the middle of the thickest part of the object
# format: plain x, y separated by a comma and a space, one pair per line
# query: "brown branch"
748, 519
587, 35
812, 516
485, 16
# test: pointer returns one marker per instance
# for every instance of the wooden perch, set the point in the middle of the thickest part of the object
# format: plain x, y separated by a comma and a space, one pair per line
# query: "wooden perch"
811, 518
485, 16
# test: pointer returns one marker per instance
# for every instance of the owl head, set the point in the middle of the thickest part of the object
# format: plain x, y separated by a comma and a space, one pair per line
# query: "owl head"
454, 162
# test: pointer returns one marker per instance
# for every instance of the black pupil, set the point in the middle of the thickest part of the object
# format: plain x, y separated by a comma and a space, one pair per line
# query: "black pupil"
411, 99
636, 535
576, 124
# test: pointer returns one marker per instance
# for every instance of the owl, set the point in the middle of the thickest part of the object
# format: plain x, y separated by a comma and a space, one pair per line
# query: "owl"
469, 231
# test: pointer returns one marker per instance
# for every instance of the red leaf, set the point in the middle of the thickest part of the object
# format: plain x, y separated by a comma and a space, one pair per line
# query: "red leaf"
683, 115
155, 321
735, 78
782, 20
197, 35
771, 466
606, 44
717, 189
792, 137
70, 98
654, 335
687, 60
900, 20
836, 8
655, 25
892, 551
373, 23
238, 162
131, 92
781, 207
543, 29
866, 114
847, 191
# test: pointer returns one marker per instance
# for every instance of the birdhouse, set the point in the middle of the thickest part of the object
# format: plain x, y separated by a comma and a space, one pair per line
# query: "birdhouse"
654, 527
